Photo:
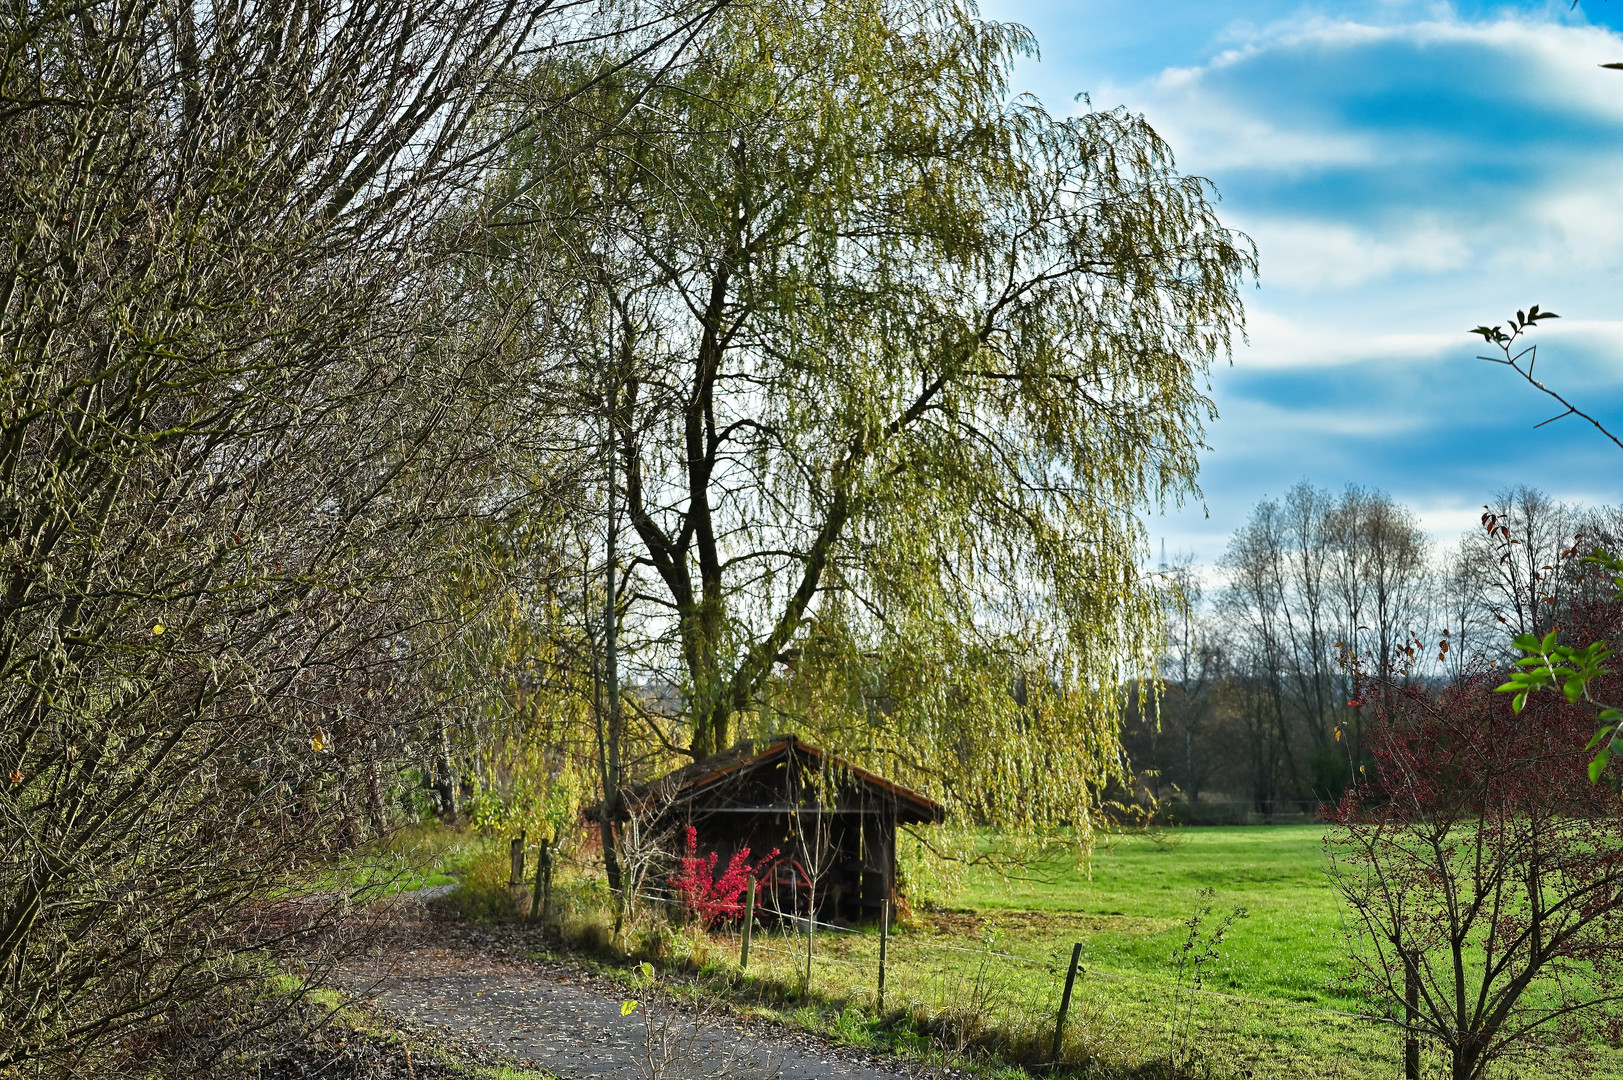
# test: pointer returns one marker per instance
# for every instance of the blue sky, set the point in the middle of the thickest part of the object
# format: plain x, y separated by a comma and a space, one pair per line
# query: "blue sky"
1408, 171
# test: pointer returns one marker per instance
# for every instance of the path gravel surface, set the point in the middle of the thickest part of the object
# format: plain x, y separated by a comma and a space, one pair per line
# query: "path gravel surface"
441, 980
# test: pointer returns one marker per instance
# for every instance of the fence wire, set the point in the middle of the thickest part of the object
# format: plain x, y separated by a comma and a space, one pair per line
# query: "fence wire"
901, 945
775, 942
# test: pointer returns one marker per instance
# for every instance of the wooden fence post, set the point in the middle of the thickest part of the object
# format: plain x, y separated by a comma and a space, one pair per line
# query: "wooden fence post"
749, 924
884, 948
515, 877
1411, 1010
1065, 1002
541, 899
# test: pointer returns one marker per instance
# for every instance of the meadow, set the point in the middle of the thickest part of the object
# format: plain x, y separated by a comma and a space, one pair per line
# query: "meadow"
989, 970
981, 976
1272, 1000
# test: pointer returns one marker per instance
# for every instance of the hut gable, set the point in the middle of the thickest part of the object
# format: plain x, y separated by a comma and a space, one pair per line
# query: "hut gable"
832, 822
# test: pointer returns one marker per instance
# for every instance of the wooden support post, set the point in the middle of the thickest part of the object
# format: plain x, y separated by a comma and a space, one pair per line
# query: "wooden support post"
547, 913
1411, 1010
1065, 1002
541, 900
884, 949
515, 877
749, 924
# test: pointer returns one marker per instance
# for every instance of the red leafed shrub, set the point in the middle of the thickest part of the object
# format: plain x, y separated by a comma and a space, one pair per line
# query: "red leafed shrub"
714, 900
1484, 873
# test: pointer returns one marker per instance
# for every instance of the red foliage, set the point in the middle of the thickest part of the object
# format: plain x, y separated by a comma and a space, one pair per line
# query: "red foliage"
714, 900
1481, 865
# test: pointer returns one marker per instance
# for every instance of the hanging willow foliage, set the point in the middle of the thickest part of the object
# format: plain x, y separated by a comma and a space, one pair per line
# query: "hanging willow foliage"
892, 362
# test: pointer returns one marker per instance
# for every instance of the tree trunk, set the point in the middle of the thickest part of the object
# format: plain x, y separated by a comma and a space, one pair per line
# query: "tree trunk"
609, 745
445, 787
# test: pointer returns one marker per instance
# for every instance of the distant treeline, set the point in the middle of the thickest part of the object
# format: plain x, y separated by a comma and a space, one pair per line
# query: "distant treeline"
1259, 709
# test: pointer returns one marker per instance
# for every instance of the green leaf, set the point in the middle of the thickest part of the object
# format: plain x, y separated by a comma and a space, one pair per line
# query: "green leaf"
1598, 766
1598, 738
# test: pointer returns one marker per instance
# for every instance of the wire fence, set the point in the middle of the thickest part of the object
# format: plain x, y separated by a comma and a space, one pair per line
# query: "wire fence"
991, 996
783, 920
1084, 972
994, 998
774, 919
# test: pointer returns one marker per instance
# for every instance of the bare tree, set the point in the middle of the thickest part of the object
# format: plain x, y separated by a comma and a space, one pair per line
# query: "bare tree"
1254, 603
1516, 561
1484, 874
1192, 665
1315, 582
1306, 605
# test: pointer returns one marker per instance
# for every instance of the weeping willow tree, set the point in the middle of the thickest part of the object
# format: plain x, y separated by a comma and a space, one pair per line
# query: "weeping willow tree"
890, 361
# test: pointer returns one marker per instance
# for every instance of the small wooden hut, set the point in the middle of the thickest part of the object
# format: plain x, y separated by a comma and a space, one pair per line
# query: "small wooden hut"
833, 824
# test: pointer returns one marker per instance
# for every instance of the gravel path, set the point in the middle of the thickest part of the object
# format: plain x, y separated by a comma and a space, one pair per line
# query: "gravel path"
444, 981
546, 1020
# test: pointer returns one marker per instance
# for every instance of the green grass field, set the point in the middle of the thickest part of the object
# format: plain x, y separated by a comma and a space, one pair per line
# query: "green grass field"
1129, 912
986, 971
990, 969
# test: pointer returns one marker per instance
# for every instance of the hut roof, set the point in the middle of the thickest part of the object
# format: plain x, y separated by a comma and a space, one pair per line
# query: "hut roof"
708, 777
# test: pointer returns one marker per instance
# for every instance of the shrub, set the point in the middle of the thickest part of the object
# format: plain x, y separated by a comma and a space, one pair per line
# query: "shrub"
1484, 872
714, 900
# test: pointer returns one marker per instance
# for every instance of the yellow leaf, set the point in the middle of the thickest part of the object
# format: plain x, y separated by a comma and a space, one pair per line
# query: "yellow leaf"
157, 629
628, 1006
318, 742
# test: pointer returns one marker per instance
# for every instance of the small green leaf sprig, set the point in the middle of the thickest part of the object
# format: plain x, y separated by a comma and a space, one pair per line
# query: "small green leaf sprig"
1574, 671
630, 1005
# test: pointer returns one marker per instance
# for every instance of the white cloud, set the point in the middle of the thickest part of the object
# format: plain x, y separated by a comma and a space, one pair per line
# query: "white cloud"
1257, 427
1564, 59
1278, 342
1213, 134
1220, 116
1490, 165
1446, 522
1307, 255
1576, 226
1600, 335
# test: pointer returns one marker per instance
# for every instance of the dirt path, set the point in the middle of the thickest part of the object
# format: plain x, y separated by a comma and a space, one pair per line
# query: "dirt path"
439, 979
